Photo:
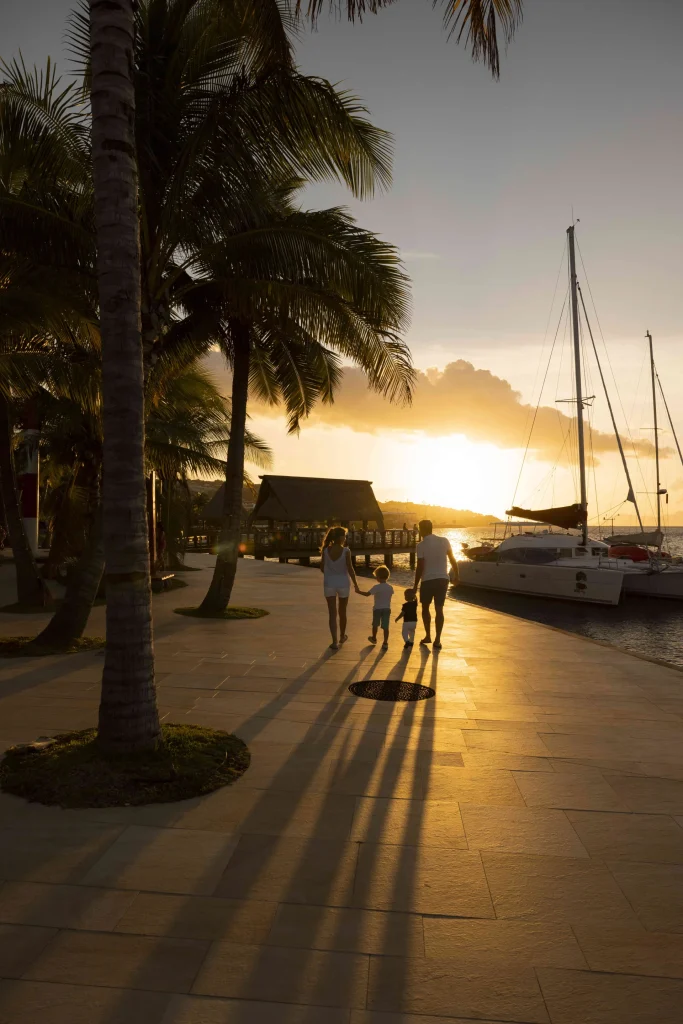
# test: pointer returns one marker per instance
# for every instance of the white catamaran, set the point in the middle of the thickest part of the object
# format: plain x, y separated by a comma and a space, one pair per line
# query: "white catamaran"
571, 565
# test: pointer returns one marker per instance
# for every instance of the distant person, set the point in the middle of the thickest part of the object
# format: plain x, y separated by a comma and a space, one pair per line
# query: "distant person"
338, 574
381, 612
409, 615
431, 574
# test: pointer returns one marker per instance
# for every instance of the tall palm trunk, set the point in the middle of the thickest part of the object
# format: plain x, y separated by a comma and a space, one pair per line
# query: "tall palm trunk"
218, 594
31, 590
129, 719
69, 621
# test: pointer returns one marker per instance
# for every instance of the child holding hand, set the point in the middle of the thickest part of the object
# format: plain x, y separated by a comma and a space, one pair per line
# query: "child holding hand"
409, 615
381, 613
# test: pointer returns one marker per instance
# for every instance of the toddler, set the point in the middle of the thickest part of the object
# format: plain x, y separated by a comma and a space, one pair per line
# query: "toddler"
409, 615
381, 613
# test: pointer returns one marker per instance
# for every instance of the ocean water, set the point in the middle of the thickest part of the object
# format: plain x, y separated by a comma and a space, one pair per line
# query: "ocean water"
647, 626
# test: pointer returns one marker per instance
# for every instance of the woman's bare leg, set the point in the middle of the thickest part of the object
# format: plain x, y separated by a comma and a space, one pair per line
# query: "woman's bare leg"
332, 609
343, 601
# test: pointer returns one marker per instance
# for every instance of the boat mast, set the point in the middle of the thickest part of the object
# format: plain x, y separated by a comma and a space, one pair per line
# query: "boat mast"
654, 411
577, 375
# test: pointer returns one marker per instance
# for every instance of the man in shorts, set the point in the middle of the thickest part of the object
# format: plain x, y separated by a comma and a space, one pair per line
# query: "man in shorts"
433, 555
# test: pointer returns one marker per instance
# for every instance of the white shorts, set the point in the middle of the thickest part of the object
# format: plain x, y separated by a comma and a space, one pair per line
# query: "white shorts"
408, 631
339, 591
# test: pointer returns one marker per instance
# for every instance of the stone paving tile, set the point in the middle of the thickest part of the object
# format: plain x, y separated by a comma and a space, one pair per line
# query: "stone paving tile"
53, 853
472, 943
19, 947
348, 930
243, 809
474, 786
443, 987
506, 742
422, 880
520, 830
163, 860
408, 822
205, 1010
579, 997
655, 891
491, 759
277, 974
624, 748
290, 870
649, 795
119, 961
634, 837
630, 951
198, 917
27, 1002
393, 774
62, 906
562, 889
584, 791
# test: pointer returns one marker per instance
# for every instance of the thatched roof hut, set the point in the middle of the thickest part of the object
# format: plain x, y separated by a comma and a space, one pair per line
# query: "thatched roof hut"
312, 499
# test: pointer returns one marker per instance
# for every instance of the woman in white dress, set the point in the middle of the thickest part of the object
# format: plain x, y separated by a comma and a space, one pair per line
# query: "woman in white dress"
338, 574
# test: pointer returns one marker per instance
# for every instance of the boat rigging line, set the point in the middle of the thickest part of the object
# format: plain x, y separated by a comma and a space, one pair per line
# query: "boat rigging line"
631, 490
671, 422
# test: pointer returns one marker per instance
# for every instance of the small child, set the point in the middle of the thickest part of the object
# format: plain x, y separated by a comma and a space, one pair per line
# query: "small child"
381, 613
409, 615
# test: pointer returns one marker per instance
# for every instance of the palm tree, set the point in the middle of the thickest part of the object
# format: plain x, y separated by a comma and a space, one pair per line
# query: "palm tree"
128, 718
302, 290
478, 22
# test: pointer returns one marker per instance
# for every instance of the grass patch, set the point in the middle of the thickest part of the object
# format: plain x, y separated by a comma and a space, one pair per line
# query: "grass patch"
26, 647
72, 771
232, 612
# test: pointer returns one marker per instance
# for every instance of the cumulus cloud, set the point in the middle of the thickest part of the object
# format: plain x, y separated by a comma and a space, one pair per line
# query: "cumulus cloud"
461, 399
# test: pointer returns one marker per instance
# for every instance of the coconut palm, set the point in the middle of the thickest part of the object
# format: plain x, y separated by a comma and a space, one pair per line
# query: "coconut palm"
478, 23
302, 290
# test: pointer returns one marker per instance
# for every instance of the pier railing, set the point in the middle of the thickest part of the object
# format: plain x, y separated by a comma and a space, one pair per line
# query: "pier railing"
306, 542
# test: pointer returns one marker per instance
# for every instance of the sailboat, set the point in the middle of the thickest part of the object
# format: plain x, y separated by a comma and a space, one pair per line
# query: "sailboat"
572, 566
656, 575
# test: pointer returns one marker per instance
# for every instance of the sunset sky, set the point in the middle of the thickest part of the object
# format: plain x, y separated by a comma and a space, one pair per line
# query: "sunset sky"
586, 118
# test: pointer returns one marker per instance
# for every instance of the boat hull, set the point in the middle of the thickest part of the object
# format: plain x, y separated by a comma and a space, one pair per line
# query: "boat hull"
586, 585
667, 584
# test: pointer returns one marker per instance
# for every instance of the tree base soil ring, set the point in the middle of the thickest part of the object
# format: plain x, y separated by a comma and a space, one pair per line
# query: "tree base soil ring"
26, 646
232, 612
391, 689
72, 770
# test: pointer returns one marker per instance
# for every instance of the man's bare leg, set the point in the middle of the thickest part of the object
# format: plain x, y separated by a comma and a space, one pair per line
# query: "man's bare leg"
438, 623
427, 621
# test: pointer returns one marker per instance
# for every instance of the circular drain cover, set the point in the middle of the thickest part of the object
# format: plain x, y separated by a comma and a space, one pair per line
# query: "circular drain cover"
390, 689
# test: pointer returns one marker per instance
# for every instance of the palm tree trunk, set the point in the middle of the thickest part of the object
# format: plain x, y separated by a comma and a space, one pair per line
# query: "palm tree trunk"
129, 718
69, 621
218, 594
62, 531
31, 590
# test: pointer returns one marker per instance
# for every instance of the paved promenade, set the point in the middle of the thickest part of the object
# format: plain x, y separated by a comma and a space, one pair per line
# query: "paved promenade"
511, 850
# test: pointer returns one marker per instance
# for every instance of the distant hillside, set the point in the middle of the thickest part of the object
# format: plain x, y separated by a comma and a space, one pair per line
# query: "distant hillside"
398, 512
